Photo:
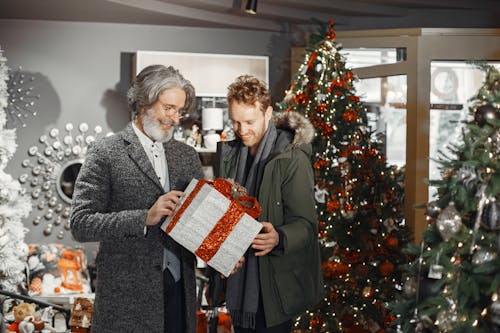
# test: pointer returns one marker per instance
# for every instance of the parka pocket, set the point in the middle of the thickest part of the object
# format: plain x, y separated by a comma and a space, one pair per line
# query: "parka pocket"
293, 289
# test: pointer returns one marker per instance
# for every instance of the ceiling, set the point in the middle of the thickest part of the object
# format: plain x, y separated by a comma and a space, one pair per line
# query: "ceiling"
272, 15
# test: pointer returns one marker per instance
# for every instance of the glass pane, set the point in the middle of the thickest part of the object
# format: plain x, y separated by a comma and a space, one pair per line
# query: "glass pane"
385, 98
452, 85
365, 57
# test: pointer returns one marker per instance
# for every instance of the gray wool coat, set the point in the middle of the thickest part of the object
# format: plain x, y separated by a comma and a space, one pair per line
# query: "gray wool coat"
115, 188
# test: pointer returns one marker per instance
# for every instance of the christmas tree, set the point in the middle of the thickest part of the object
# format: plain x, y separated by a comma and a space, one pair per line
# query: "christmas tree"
454, 283
359, 198
14, 205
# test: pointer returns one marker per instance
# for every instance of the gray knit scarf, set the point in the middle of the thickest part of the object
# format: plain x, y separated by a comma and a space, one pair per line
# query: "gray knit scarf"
242, 293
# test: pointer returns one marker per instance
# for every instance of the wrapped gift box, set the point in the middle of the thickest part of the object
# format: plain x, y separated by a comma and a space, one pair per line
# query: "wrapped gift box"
212, 224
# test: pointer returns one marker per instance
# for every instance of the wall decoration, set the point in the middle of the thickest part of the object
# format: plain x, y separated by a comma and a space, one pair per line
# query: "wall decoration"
52, 168
444, 84
22, 98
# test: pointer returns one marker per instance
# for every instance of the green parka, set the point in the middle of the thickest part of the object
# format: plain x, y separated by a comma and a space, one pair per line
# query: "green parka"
290, 278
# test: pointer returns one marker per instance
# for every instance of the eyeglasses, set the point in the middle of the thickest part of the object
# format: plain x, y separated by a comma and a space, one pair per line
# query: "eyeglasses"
171, 112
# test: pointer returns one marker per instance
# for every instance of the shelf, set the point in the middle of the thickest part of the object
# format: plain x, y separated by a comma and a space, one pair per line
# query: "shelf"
204, 150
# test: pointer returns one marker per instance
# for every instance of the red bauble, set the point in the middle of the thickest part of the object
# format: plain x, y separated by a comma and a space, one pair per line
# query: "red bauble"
317, 164
332, 205
321, 107
351, 257
354, 98
386, 268
316, 322
344, 153
341, 268
328, 131
350, 116
300, 99
391, 242
328, 269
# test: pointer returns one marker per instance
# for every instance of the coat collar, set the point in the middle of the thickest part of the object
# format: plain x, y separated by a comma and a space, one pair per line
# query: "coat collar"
296, 123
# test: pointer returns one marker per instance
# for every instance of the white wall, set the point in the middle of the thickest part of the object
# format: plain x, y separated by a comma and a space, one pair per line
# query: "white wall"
82, 72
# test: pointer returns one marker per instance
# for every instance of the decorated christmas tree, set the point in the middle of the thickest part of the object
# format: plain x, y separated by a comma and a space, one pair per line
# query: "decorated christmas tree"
14, 205
359, 198
454, 283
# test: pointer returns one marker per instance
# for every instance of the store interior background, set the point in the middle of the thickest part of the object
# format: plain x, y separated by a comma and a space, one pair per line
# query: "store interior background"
80, 52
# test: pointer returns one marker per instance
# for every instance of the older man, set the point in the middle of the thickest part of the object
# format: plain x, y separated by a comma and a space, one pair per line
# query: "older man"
128, 183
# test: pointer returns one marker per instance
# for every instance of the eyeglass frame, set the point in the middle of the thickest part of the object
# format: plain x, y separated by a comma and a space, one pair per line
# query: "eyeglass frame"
179, 114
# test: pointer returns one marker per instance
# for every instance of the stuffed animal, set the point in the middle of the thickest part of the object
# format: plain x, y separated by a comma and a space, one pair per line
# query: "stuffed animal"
26, 319
21, 311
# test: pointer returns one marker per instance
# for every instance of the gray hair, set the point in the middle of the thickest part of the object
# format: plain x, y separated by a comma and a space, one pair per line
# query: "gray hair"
151, 81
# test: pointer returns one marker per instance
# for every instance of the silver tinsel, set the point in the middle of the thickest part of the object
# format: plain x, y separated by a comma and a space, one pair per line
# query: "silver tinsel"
490, 218
468, 176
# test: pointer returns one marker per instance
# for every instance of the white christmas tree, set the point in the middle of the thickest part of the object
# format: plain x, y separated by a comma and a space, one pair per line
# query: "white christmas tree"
14, 204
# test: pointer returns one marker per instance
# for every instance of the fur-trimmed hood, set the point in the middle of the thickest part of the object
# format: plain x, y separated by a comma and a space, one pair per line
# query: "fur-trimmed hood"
296, 123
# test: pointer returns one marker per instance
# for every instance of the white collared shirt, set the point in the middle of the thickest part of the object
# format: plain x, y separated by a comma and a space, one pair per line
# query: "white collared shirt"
155, 153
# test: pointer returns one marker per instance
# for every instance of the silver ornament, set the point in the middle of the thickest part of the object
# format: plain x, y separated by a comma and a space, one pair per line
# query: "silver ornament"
449, 222
446, 319
482, 257
494, 312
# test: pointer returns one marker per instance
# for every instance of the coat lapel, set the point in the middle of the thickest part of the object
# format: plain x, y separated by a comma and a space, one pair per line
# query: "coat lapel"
138, 155
174, 169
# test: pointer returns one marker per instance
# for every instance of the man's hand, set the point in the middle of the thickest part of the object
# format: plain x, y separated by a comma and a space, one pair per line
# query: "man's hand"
266, 241
163, 206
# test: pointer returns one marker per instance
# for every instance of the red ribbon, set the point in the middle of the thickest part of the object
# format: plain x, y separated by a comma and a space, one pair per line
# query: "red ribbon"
223, 227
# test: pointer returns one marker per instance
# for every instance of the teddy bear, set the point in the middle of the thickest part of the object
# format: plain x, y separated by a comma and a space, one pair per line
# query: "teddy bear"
24, 316
20, 312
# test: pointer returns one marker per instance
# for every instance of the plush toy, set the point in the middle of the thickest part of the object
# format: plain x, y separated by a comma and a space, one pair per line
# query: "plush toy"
21, 311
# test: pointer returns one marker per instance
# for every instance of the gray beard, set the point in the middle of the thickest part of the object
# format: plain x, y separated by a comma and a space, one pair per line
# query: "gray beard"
153, 129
